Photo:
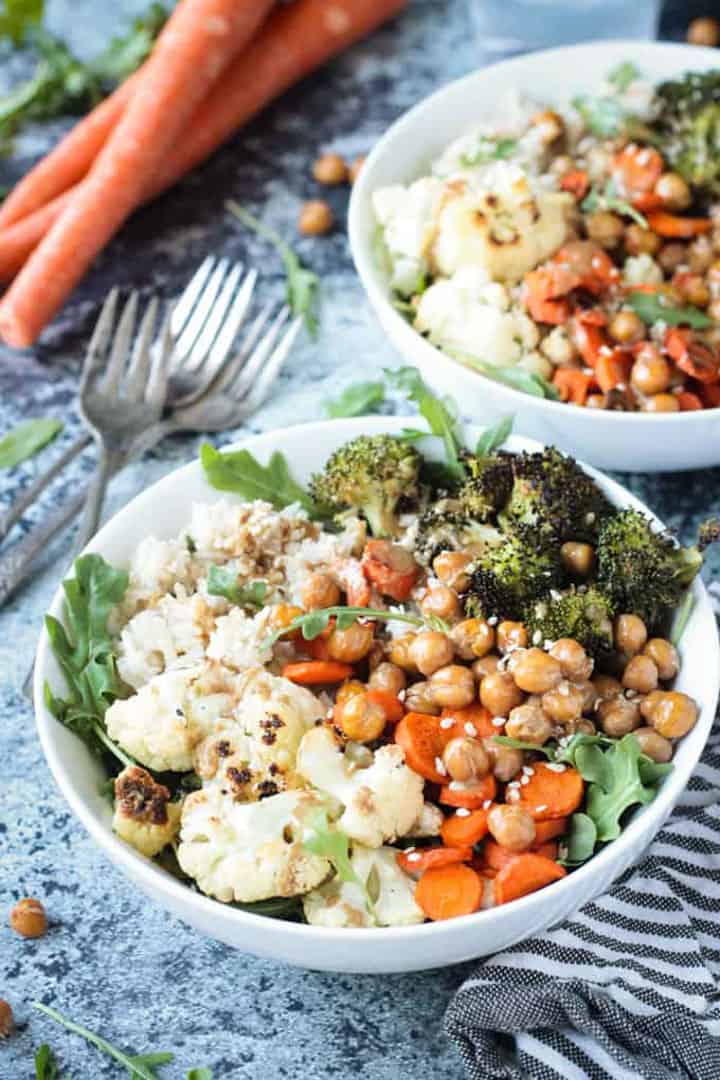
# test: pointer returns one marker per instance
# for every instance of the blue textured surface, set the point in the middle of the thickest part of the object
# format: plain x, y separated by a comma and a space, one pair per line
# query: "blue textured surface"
111, 959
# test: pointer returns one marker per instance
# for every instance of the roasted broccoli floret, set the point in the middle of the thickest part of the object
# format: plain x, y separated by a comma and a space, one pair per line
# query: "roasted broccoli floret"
488, 485
688, 125
445, 527
370, 475
582, 613
644, 571
509, 575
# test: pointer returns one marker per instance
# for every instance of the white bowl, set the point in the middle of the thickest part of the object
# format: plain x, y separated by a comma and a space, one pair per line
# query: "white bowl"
610, 440
164, 509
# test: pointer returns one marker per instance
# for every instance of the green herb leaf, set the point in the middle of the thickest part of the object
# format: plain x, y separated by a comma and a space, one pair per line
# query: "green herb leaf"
238, 471
609, 199
581, 840
654, 307
548, 749
602, 116
222, 581
494, 437
519, 379
136, 1065
439, 414
623, 76
682, 618
46, 1066
315, 622
616, 784
358, 399
302, 284
489, 149
27, 439
18, 17
200, 1074
321, 838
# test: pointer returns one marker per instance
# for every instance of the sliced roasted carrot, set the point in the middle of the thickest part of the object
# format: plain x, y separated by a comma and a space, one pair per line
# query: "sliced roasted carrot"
646, 200
693, 356
474, 721
423, 741
552, 792
544, 294
449, 891
637, 169
471, 796
390, 568
612, 369
351, 579
710, 394
496, 856
577, 182
573, 385
550, 830
592, 316
316, 672
390, 703
525, 874
461, 832
674, 226
317, 649
418, 861
589, 266
688, 401
590, 340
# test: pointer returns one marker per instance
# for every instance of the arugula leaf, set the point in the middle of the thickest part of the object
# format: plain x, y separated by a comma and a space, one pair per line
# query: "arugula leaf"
315, 622
602, 116
46, 1066
358, 399
439, 414
489, 149
682, 618
224, 582
616, 782
200, 1074
25, 440
333, 844
519, 379
302, 284
519, 744
609, 199
623, 76
238, 471
494, 437
581, 840
17, 17
85, 653
654, 307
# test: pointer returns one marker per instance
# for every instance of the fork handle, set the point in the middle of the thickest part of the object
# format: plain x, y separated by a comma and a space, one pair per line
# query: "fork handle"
109, 463
16, 510
15, 564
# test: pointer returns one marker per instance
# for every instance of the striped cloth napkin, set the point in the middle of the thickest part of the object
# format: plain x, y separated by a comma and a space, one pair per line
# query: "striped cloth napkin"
629, 988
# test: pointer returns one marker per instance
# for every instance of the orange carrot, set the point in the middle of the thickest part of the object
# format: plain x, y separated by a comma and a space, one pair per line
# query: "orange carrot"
392, 705
18, 241
588, 265
590, 341
471, 796
674, 226
577, 182
688, 401
496, 856
693, 356
573, 385
550, 830
417, 862
317, 649
647, 200
591, 317
379, 570
612, 369
474, 721
449, 891
637, 169
551, 794
463, 832
544, 292
710, 394
316, 672
525, 874
198, 41
423, 741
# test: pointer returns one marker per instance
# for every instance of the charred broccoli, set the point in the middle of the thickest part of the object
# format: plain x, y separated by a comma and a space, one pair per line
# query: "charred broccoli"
644, 571
370, 475
689, 128
487, 487
582, 613
445, 527
551, 492
509, 575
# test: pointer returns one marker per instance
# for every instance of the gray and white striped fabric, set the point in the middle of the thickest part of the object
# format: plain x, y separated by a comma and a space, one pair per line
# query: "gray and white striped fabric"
630, 987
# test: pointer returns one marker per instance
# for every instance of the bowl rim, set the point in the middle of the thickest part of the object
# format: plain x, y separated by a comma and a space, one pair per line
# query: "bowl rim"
361, 249
178, 896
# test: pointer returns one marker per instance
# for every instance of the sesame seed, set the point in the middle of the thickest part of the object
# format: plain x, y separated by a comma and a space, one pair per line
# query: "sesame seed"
470, 728
541, 809
409, 849
446, 723
414, 856
462, 812
556, 766
525, 780
555, 594
456, 785
401, 695
514, 784
493, 620
512, 796
498, 721
440, 766
487, 804
528, 770
537, 637
564, 689
548, 644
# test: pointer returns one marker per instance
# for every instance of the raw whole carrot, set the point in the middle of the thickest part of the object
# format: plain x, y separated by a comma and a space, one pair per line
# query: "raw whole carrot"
525, 874
688, 401
637, 169
390, 703
674, 226
550, 793
317, 672
471, 796
377, 564
473, 721
197, 43
496, 856
612, 369
18, 241
449, 891
417, 862
423, 741
577, 182
573, 385
550, 830
463, 832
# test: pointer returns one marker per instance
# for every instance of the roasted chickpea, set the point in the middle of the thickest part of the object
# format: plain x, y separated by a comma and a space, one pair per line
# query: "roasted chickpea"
466, 759
472, 638
714, 310
606, 686
507, 761
28, 918
282, 615
451, 568
349, 689
651, 373
674, 715
573, 660
589, 694
511, 635
529, 723
388, 677
701, 255
511, 826
551, 124
640, 674
662, 403
316, 218
319, 591
648, 703
536, 671
639, 241
654, 746
499, 693
630, 634
431, 650
419, 698
441, 602
399, 653
665, 657
673, 191
453, 686
7, 1020
618, 716
355, 168
577, 557
350, 645
330, 169
605, 228
626, 327
671, 256
583, 726
360, 719
486, 665
693, 289
704, 31
564, 703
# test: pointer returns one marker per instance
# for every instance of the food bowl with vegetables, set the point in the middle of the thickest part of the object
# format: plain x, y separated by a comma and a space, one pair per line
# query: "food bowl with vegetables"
402, 703
550, 226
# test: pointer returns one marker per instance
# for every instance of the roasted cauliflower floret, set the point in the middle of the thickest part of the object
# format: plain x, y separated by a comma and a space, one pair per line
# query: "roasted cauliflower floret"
343, 903
144, 816
249, 851
381, 802
171, 634
428, 823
